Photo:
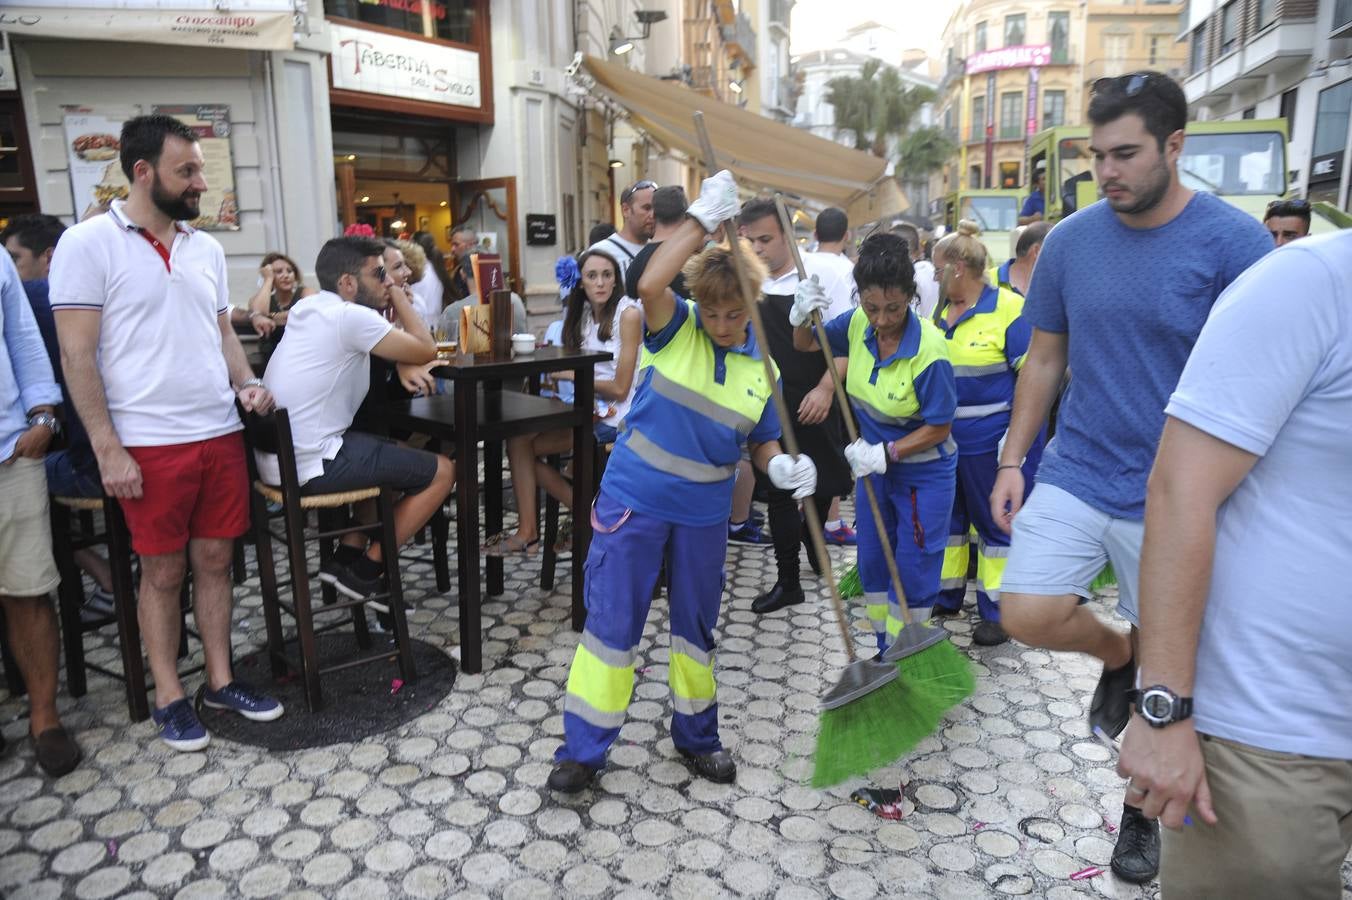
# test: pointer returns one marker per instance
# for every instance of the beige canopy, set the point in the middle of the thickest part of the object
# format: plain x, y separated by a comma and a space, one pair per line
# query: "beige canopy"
759, 151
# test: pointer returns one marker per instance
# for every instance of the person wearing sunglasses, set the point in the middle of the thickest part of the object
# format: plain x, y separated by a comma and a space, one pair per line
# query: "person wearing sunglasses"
637, 226
1120, 293
1287, 220
321, 372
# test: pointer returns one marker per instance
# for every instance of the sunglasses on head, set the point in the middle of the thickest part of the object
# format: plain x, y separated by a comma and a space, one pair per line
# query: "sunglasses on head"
1126, 85
1288, 207
628, 193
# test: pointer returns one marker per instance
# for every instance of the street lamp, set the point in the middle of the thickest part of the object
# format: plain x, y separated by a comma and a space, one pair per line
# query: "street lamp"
620, 45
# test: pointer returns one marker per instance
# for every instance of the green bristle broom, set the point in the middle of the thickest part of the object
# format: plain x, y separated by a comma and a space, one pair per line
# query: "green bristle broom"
866, 720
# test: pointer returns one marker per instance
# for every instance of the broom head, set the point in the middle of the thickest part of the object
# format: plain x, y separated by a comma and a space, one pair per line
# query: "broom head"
869, 720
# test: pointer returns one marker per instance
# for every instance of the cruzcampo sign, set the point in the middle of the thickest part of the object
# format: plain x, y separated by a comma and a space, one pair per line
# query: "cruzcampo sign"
374, 62
1021, 57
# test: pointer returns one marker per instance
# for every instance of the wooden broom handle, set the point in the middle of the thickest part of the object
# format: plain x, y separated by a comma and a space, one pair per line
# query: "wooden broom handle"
786, 225
789, 440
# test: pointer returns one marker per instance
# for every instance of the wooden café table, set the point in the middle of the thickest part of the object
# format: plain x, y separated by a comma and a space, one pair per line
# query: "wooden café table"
479, 409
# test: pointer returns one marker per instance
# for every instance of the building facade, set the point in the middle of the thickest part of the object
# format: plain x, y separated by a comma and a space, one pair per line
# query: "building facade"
1279, 58
1015, 67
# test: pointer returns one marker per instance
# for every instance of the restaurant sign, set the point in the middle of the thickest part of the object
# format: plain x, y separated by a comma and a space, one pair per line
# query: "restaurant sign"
245, 25
1021, 57
373, 62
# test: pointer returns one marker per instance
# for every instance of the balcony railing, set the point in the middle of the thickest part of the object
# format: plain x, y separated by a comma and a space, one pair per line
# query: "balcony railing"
741, 37
1111, 68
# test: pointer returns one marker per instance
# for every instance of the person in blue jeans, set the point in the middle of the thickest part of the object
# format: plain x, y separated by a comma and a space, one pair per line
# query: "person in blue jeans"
1120, 293
665, 495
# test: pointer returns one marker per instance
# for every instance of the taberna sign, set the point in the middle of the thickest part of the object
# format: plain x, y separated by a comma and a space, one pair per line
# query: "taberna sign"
373, 62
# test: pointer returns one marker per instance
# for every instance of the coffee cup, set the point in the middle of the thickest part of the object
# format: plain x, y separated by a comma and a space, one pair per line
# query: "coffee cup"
523, 343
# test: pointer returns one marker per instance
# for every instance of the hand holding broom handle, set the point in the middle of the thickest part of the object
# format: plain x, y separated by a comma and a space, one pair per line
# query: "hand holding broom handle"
790, 442
786, 225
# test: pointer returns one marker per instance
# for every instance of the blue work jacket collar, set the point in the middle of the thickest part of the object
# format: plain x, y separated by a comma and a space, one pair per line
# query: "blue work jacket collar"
986, 303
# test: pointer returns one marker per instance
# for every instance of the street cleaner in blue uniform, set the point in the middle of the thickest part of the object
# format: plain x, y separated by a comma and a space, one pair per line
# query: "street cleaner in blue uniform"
900, 385
987, 338
665, 495
1016, 272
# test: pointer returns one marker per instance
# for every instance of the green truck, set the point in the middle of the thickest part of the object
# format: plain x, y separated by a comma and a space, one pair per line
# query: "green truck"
996, 210
1242, 162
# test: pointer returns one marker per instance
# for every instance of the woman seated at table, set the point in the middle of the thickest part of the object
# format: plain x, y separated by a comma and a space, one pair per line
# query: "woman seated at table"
598, 317
279, 286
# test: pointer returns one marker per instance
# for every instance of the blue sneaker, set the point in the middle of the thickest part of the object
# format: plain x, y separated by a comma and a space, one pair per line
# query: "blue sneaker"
179, 727
239, 697
747, 533
842, 537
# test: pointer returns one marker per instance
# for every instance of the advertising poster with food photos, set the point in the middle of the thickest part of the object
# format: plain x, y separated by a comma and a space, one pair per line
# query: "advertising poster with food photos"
211, 124
92, 147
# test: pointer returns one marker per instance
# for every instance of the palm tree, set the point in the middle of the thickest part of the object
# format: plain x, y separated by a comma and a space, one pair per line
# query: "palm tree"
922, 152
875, 106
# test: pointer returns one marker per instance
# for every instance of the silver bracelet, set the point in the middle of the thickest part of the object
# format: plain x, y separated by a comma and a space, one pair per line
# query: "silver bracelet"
252, 382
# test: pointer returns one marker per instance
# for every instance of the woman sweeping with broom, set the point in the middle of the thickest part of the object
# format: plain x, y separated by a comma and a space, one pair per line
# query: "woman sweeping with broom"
901, 388
666, 493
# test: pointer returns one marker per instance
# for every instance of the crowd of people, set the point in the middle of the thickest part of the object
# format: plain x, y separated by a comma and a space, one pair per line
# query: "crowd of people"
1200, 450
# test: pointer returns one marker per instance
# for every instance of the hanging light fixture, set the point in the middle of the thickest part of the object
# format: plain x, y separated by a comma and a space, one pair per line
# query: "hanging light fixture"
620, 45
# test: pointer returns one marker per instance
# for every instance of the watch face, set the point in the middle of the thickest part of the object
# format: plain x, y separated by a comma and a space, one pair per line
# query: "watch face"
1157, 705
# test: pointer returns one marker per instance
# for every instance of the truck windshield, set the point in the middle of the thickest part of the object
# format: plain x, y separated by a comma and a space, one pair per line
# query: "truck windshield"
991, 213
1231, 164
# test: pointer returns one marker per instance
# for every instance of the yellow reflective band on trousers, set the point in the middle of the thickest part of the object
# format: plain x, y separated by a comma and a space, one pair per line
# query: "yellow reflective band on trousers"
600, 683
690, 674
990, 568
875, 603
956, 557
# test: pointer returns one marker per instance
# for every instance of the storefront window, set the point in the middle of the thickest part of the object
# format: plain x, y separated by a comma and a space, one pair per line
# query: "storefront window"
447, 20
416, 156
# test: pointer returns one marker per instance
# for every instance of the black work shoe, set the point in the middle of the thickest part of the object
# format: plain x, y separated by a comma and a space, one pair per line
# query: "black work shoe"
989, 634
570, 776
57, 752
777, 597
1136, 858
717, 766
1111, 707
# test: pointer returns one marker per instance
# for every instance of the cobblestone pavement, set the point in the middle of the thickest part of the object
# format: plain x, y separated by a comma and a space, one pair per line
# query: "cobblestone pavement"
1010, 797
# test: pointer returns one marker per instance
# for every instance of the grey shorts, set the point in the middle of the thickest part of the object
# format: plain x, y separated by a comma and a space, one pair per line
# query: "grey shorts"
365, 461
1060, 544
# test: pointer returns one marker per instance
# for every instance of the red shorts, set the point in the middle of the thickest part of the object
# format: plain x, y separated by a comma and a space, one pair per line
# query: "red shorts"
196, 490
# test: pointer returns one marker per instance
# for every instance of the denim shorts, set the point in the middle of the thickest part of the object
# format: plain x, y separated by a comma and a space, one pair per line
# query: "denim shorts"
1060, 544
366, 461
605, 434
73, 473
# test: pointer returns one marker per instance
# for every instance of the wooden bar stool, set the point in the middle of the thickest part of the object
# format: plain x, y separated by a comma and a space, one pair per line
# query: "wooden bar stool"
272, 434
66, 539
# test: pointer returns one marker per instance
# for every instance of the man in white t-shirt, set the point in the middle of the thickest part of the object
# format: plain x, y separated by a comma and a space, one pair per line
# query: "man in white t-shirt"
636, 211
832, 230
926, 288
154, 369
320, 373
1252, 484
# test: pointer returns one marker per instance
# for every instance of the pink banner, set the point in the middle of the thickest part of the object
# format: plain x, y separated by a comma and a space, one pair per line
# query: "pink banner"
1020, 57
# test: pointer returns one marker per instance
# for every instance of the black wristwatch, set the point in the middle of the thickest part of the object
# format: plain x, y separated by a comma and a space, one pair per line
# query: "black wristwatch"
1160, 706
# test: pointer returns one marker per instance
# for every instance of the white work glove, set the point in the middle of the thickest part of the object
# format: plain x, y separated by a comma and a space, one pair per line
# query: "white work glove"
717, 201
866, 458
789, 474
809, 298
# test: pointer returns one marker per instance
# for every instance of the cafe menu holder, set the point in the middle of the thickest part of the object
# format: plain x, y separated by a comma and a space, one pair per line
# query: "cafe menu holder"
476, 328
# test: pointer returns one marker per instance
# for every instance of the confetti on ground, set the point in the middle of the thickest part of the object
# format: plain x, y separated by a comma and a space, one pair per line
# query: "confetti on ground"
395, 685
977, 826
112, 849
1086, 874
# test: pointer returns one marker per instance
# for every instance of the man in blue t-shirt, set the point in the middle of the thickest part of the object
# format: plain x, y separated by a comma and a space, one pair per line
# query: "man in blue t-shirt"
1120, 293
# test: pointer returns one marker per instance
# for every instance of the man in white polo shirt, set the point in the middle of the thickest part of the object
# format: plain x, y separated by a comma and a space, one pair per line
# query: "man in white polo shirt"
154, 368
320, 373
